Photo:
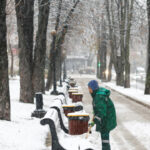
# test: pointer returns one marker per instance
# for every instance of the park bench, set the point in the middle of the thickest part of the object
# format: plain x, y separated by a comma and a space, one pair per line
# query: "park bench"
61, 97
61, 115
60, 139
60, 119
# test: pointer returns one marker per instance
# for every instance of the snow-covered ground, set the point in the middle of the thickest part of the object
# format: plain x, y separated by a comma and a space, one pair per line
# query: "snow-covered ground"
23, 132
26, 133
133, 129
132, 92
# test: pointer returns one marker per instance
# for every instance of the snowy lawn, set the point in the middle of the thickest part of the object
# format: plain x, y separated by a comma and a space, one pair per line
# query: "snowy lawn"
23, 132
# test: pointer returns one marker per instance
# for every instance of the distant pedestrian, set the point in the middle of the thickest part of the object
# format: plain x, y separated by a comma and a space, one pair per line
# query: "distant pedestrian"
104, 112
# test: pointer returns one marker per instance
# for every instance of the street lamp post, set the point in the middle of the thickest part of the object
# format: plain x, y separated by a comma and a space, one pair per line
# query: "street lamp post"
54, 92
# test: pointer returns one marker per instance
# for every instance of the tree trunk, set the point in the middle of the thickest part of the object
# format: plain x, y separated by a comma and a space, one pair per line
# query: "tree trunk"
110, 69
119, 72
122, 22
98, 68
147, 84
4, 81
127, 46
12, 64
103, 52
40, 47
49, 77
118, 58
51, 65
12, 57
112, 37
24, 12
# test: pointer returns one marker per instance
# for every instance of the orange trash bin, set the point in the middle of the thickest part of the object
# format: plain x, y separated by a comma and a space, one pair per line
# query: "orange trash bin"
78, 123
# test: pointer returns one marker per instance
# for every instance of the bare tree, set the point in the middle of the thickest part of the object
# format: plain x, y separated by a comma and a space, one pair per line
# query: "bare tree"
52, 48
120, 35
58, 40
40, 47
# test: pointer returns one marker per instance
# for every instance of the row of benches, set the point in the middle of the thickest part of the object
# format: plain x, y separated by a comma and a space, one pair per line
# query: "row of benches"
58, 125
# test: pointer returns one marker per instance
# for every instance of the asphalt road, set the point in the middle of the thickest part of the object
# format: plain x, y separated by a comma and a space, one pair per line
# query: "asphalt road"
133, 130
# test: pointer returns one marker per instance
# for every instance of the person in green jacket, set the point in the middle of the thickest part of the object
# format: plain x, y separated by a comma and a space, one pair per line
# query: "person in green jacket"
104, 112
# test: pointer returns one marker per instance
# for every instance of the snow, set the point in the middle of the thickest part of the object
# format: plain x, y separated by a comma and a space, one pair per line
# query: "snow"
135, 94
78, 113
136, 129
140, 131
67, 141
23, 132
143, 2
26, 133
75, 142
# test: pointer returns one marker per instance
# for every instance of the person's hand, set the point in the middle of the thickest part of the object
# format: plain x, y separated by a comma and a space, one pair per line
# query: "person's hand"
92, 124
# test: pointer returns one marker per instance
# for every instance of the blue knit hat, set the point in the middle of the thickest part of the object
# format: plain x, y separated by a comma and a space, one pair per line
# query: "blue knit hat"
93, 84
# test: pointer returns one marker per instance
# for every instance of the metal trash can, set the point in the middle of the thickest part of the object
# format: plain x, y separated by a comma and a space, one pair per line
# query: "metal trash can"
77, 97
68, 109
78, 123
72, 91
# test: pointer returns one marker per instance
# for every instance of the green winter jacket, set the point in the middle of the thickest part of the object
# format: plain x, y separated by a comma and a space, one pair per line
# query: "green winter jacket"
104, 111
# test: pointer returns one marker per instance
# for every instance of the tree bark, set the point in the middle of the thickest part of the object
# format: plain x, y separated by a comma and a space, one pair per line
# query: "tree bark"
103, 51
4, 81
147, 83
12, 57
12, 63
24, 13
110, 68
40, 47
122, 21
119, 75
98, 68
112, 38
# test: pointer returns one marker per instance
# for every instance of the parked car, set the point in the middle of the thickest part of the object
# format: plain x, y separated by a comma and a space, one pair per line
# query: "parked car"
88, 70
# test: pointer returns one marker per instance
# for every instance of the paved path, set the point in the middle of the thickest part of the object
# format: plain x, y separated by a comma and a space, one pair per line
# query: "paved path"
133, 130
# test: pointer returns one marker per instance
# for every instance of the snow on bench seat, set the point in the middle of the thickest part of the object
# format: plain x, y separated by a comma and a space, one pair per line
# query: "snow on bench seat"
61, 140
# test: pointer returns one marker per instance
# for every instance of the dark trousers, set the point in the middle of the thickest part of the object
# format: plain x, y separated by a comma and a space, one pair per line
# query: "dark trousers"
105, 141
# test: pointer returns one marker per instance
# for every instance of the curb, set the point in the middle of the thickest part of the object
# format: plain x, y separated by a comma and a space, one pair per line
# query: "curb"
131, 98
